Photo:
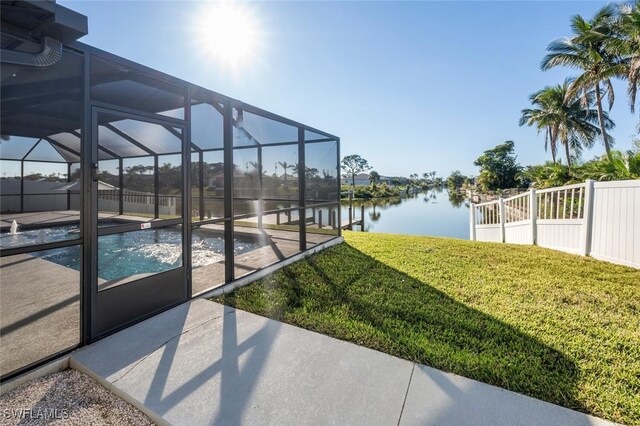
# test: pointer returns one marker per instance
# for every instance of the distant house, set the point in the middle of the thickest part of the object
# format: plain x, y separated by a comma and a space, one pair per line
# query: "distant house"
362, 179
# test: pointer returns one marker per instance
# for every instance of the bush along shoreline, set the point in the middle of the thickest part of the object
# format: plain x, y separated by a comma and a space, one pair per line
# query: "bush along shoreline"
380, 191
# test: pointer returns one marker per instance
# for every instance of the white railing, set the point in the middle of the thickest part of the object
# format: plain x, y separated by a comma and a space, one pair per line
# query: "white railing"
598, 219
136, 202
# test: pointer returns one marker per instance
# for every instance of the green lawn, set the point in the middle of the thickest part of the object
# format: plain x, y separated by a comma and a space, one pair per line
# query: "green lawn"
554, 326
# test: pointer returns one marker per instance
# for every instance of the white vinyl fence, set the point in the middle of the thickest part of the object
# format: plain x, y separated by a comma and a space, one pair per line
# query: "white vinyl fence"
598, 219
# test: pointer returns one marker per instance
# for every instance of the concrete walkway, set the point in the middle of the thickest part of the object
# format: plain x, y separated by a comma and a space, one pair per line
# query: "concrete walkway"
202, 363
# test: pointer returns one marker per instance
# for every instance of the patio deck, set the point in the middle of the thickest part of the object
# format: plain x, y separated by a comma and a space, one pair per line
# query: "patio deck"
204, 363
39, 299
40, 310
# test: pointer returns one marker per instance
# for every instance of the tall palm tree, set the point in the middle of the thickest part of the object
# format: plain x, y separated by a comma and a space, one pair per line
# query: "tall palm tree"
564, 118
586, 51
624, 42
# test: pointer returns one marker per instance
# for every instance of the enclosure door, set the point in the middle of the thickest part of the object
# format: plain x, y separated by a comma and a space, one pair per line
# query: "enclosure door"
139, 265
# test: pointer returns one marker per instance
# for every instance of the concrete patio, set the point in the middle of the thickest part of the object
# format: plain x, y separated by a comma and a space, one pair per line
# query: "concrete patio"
204, 363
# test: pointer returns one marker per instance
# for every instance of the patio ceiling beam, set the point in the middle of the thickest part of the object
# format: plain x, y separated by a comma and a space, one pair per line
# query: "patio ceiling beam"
41, 113
249, 135
129, 138
100, 147
217, 106
56, 149
30, 131
56, 144
24, 103
32, 148
108, 151
41, 87
60, 85
173, 131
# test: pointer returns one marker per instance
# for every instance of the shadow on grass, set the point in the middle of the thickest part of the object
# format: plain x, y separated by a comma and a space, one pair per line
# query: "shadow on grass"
347, 294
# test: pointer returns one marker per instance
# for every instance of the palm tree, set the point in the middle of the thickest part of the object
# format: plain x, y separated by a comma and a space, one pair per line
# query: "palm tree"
564, 118
286, 166
586, 51
543, 118
624, 42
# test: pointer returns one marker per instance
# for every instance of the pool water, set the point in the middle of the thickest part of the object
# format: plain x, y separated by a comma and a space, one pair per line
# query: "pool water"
137, 252
38, 236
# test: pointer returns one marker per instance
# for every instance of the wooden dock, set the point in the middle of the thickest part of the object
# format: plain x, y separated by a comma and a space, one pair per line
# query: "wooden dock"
355, 222
352, 220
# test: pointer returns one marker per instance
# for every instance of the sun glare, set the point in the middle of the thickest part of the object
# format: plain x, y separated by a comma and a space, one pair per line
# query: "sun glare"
228, 32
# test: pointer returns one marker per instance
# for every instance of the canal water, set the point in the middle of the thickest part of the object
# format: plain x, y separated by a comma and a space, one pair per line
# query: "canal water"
433, 212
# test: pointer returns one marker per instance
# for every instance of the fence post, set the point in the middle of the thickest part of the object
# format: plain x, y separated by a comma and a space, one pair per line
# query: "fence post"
501, 218
587, 218
350, 210
472, 222
533, 216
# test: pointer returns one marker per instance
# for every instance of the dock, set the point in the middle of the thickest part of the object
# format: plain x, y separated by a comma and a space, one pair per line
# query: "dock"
351, 220
355, 222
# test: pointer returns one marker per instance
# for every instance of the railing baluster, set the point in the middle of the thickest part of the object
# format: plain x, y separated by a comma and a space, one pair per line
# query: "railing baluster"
521, 208
573, 197
564, 205
580, 209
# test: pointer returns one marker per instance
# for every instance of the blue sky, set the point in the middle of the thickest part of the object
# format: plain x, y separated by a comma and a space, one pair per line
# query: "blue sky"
410, 86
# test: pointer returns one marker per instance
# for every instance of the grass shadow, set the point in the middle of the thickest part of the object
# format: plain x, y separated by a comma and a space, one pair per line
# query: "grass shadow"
349, 295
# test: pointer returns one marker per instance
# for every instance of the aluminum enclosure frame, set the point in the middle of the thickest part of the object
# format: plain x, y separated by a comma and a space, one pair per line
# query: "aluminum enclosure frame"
88, 239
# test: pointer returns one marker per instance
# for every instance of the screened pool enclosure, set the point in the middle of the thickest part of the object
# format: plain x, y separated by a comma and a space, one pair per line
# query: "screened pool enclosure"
125, 191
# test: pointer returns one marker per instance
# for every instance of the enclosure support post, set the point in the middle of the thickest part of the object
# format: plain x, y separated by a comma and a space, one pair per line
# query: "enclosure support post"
302, 183
501, 218
121, 189
362, 217
350, 210
587, 218
338, 184
68, 180
260, 202
156, 188
201, 184
187, 200
472, 222
228, 192
22, 186
533, 216
88, 210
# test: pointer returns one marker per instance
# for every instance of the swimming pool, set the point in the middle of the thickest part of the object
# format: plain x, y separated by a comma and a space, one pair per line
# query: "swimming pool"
131, 253
38, 236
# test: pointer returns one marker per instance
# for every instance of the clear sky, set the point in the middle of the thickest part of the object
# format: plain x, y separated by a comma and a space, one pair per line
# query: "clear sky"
410, 86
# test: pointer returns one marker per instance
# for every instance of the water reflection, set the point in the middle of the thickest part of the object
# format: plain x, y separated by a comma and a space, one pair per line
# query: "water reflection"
435, 212
458, 199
